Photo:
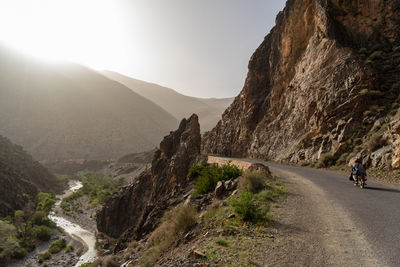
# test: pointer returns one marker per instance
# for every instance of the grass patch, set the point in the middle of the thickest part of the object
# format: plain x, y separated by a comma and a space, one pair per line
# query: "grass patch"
174, 224
232, 239
222, 242
209, 175
69, 248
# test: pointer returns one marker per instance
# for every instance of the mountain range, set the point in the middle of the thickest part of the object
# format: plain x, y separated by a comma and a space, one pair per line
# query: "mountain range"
180, 106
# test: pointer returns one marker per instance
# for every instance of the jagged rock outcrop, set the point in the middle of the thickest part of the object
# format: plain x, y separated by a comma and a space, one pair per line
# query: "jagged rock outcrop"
137, 208
318, 82
21, 178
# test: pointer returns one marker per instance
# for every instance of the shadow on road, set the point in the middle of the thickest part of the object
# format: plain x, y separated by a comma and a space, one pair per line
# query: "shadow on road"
382, 189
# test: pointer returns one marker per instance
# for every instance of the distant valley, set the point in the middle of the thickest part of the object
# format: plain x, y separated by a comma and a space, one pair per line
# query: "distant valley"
180, 106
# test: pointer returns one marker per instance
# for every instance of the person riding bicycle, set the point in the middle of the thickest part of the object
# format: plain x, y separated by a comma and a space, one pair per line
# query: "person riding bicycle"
357, 170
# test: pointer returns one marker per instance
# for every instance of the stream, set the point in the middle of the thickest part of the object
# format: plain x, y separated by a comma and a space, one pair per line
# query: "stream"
74, 230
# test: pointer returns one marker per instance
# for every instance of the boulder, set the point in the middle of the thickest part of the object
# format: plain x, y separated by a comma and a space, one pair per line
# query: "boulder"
258, 167
381, 157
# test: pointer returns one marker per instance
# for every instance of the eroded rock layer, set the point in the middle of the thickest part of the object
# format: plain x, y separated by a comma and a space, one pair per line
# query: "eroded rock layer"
317, 83
137, 208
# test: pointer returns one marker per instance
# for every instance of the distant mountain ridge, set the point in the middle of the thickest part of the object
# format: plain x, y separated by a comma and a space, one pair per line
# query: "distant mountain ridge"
181, 106
67, 111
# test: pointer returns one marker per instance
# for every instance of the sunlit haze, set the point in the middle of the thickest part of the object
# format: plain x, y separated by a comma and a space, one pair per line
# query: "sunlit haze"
199, 48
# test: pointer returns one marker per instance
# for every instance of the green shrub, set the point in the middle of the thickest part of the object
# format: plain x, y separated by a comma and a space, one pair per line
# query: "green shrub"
57, 246
44, 256
45, 264
209, 175
255, 181
40, 218
245, 206
69, 248
45, 202
20, 253
42, 232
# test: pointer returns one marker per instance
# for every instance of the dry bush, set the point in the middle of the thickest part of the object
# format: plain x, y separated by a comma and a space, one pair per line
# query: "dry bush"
255, 181
174, 223
375, 141
326, 160
107, 261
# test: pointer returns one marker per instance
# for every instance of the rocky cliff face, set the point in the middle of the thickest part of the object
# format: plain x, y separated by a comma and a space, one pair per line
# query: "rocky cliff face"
21, 178
322, 77
137, 208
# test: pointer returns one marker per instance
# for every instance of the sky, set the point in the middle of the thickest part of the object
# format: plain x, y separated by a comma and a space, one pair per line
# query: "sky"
197, 47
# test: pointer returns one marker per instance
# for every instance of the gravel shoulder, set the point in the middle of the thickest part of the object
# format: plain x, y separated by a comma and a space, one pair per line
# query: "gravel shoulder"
314, 230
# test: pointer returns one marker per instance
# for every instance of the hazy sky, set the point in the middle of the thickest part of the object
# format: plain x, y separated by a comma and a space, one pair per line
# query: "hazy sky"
197, 47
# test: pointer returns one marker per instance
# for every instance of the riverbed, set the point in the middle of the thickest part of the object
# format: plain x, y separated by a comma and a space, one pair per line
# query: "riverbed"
74, 230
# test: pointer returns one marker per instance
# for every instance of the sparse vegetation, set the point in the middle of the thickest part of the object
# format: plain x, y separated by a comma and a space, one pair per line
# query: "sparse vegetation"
375, 141
98, 187
8, 241
174, 223
222, 242
209, 175
57, 246
326, 160
79, 251
69, 248
255, 181
342, 160
236, 228
44, 256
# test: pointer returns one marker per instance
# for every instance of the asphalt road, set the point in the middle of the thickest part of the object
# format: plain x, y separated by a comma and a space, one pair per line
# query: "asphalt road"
375, 210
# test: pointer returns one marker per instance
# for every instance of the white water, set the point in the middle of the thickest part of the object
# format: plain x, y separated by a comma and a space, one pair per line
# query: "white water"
77, 231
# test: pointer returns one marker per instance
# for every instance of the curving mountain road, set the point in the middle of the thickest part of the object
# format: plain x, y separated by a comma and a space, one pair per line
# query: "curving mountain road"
364, 222
375, 211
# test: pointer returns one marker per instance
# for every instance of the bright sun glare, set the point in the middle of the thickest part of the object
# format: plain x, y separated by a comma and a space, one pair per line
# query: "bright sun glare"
73, 30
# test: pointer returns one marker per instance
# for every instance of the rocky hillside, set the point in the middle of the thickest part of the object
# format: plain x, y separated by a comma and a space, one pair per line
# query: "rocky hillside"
21, 178
181, 106
67, 111
320, 80
136, 210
